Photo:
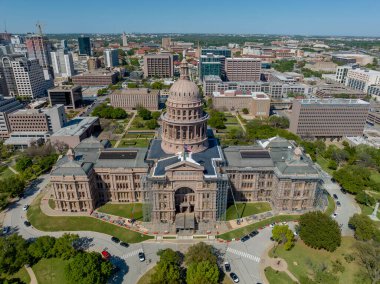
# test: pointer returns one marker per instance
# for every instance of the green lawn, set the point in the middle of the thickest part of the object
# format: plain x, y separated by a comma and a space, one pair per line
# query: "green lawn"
139, 143
277, 277
123, 210
51, 203
135, 122
6, 173
301, 259
50, 270
331, 206
22, 274
238, 233
77, 223
246, 209
323, 163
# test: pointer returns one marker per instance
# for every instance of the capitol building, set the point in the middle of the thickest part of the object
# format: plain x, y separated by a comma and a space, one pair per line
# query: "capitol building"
184, 177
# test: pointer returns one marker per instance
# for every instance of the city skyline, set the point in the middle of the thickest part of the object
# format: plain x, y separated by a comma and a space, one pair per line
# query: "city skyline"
326, 19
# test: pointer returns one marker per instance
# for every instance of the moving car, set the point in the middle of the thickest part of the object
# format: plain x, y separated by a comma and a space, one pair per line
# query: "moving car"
123, 244
253, 233
245, 238
115, 240
335, 196
334, 215
227, 266
234, 277
27, 223
141, 256
26, 206
272, 225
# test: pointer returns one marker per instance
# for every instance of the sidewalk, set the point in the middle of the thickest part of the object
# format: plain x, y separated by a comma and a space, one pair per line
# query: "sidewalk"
33, 278
125, 130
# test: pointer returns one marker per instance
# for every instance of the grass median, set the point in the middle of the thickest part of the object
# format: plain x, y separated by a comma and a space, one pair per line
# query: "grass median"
277, 277
238, 233
78, 223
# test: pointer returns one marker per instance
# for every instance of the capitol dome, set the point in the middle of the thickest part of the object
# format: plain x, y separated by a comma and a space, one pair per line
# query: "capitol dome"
184, 124
183, 89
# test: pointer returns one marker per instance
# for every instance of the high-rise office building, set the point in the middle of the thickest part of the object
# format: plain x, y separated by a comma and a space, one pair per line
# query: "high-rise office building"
62, 62
243, 69
328, 118
64, 44
158, 65
217, 51
23, 77
166, 42
39, 48
111, 58
124, 38
84, 44
211, 64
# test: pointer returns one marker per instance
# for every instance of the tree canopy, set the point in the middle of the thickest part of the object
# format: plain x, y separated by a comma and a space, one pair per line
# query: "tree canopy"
318, 231
168, 268
105, 111
282, 234
364, 227
204, 272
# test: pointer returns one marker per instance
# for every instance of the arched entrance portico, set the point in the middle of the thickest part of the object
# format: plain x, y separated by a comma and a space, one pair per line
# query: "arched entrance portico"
184, 200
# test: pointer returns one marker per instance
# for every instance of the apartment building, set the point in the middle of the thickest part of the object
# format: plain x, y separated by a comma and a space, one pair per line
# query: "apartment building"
329, 118
158, 65
243, 69
257, 103
97, 77
130, 99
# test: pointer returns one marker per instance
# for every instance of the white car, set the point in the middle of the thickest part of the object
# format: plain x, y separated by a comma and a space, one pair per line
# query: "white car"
26, 206
284, 223
334, 215
272, 225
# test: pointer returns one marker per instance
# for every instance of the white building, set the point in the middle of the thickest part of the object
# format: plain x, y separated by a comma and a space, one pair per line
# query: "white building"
361, 79
63, 64
124, 38
111, 58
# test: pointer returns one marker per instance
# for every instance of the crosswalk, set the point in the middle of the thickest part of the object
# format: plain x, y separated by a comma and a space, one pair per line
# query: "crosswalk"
243, 254
132, 253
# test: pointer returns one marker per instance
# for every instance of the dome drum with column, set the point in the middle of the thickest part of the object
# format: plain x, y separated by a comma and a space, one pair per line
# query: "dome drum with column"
184, 122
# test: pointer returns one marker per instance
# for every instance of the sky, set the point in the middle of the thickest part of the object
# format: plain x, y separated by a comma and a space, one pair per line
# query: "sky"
290, 17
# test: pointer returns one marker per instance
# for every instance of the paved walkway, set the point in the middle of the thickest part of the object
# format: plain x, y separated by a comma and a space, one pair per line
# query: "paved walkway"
278, 264
13, 170
241, 124
33, 278
125, 130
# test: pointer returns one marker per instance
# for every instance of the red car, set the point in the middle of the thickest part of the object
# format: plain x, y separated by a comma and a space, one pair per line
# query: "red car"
106, 255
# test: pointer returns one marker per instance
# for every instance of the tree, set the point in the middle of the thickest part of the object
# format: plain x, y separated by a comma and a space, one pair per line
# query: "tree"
282, 234
42, 247
204, 272
364, 198
23, 163
363, 226
318, 231
217, 119
278, 122
144, 113
369, 257
88, 268
332, 165
13, 185
353, 178
151, 124
13, 253
168, 268
200, 252
64, 246
245, 110
156, 115
157, 85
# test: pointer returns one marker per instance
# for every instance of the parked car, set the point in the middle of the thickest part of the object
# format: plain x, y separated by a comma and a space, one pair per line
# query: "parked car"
334, 215
115, 240
234, 277
253, 233
335, 196
26, 206
227, 266
105, 255
123, 244
338, 204
27, 223
245, 238
141, 256
272, 225
6, 230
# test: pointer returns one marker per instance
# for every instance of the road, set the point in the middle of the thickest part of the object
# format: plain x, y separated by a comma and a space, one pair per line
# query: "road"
244, 257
